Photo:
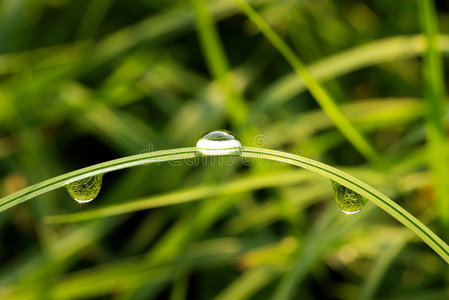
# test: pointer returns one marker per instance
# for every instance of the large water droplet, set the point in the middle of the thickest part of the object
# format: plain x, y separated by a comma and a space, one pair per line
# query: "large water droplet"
347, 200
218, 142
85, 190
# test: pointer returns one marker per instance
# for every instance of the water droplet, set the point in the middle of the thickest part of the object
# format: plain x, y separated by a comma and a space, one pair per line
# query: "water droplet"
347, 200
85, 190
218, 142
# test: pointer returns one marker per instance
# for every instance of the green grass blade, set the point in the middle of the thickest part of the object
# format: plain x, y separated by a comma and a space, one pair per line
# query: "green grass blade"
324, 99
393, 209
183, 196
330, 227
209, 40
382, 264
369, 54
117, 164
400, 214
245, 286
218, 63
93, 17
436, 135
129, 273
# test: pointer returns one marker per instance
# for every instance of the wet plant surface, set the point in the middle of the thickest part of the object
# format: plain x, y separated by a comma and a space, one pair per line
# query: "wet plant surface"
158, 118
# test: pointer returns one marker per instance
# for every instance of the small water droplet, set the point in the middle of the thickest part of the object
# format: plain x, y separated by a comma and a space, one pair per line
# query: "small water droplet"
218, 142
85, 190
347, 200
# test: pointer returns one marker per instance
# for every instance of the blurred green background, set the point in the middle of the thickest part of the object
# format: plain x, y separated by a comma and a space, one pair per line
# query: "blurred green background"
82, 82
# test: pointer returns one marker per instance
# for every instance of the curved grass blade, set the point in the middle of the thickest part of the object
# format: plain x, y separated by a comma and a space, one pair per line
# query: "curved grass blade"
397, 212
113, 165
400, 214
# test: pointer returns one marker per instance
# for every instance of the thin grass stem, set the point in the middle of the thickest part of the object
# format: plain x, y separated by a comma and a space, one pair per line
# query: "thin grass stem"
376, 197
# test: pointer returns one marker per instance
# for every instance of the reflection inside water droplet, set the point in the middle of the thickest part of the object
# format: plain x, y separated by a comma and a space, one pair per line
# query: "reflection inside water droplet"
347, 200
85, 190
218, 142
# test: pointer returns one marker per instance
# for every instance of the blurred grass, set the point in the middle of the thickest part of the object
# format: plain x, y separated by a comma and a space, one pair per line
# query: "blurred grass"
217, 63
326, 101
436, 107
82, 82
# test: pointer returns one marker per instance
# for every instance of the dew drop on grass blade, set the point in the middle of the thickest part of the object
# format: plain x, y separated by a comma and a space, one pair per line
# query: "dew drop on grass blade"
86, 189
218, 142
347, 200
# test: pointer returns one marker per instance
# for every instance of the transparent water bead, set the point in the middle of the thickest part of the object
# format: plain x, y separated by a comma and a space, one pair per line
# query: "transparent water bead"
347, 200
85, 190
218, 142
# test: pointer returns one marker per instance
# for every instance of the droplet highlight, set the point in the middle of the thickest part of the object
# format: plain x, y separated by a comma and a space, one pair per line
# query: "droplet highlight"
85, 190
347, 200
218, 142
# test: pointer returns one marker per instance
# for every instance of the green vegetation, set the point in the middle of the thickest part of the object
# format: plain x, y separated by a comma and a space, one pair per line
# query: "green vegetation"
100, 85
